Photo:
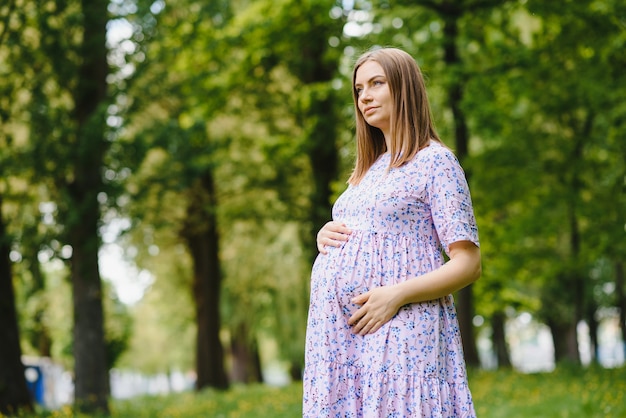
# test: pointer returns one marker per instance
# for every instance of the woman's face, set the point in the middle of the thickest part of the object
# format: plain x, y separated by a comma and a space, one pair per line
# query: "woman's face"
373, 95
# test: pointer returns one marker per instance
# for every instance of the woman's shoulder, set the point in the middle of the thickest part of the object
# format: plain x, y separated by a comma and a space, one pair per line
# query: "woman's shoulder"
434, 151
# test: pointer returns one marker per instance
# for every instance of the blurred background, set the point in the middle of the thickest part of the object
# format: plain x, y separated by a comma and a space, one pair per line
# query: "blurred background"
165, 166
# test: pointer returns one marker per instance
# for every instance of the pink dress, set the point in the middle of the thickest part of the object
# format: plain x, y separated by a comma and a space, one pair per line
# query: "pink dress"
413, 366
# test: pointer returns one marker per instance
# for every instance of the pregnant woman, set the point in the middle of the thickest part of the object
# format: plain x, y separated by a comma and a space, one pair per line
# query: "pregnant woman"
382, 336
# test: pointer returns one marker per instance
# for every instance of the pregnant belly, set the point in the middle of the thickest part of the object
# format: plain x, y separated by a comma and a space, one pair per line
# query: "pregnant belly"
335, 281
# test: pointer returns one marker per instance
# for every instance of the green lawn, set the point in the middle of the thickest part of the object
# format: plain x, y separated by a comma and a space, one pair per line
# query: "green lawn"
575, 392
571, 393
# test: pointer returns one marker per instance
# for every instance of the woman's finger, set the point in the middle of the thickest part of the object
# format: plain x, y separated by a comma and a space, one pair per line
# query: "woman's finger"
337, 236
357, 316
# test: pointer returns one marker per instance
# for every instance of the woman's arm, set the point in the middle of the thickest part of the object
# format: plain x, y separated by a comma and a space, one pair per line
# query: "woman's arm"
379, 305
334, 234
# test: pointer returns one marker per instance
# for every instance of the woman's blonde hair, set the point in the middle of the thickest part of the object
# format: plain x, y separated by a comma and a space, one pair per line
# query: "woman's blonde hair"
411, 121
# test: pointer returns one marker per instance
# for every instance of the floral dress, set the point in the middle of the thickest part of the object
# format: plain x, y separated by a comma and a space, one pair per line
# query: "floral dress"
413, 366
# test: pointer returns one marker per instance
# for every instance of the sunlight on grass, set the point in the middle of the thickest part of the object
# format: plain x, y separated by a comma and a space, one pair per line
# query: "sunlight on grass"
565, 393
570, 392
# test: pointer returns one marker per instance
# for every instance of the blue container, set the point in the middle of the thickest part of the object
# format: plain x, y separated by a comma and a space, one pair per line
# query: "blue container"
35, 383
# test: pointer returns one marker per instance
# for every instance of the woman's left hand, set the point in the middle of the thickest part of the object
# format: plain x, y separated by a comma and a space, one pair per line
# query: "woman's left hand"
379, 305
333, 234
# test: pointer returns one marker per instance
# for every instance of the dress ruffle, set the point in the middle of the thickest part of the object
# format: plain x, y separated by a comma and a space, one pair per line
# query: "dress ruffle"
390, 395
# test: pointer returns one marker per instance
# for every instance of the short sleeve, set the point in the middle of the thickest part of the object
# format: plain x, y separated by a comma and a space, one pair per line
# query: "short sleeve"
450, 201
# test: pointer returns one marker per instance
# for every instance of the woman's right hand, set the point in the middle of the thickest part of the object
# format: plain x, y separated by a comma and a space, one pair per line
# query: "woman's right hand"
332, 234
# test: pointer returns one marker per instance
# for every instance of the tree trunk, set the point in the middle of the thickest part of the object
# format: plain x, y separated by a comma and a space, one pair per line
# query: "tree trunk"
316, 72
465, 297
621, 300
200, 233
39, 336
246, 359
14, 394
592, 322
565, 341
564, 297
324, 159
574, 280
499, 340
91, 374
90, 365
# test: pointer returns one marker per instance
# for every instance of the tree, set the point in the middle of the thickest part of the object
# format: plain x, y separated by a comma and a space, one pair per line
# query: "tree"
82, 215
312, 64
14, 395
572, 128
200, 232
65, 105
497, 50
179, 134
542, 129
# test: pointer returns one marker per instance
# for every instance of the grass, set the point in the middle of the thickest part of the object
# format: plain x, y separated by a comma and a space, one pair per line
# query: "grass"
567, 392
